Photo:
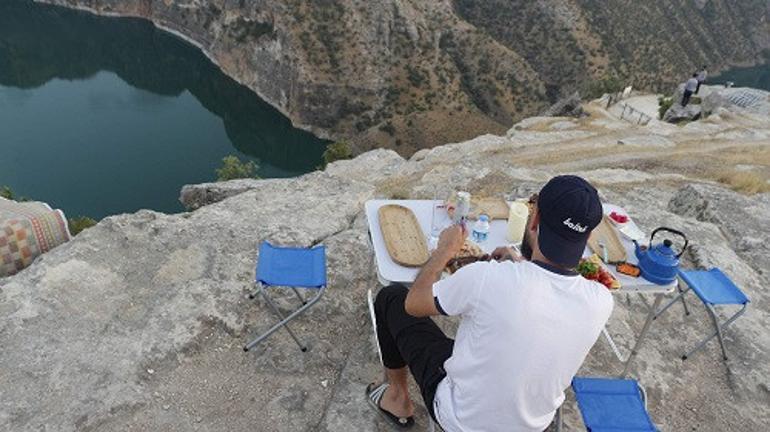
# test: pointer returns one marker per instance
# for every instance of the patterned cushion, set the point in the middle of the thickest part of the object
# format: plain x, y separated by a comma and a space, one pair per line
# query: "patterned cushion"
28, 230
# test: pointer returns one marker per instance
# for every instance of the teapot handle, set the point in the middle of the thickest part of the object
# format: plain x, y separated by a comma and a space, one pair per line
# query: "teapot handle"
673, 231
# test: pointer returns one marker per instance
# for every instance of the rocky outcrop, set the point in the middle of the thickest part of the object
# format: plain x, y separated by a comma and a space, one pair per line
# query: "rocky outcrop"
136, 297
647, 141
570, 106
373, 167
742, 220
718, 100
736, 99
196, 196
678, 113
384, 72
138, 323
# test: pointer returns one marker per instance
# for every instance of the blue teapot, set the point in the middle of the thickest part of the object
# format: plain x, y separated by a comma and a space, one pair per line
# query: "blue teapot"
660, 263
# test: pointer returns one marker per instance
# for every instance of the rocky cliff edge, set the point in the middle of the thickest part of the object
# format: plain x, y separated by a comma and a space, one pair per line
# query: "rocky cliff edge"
138, 323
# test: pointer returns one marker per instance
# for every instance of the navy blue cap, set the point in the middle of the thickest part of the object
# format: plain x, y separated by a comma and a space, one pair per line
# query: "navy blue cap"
569, 210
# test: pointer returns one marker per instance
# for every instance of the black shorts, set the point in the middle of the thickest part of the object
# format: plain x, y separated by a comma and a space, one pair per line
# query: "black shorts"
408, 341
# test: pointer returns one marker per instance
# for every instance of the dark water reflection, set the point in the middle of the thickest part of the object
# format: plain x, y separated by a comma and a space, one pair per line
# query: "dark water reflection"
754, 76
101, 115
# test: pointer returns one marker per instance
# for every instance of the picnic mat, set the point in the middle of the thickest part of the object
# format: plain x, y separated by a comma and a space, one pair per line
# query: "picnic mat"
27, 230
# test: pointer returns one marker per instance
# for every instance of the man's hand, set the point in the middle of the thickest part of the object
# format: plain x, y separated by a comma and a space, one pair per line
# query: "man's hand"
419, 301
506, 254
451, 241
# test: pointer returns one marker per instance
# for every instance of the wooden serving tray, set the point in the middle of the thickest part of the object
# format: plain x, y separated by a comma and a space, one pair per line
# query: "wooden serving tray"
605, 232
403, 236
495, 208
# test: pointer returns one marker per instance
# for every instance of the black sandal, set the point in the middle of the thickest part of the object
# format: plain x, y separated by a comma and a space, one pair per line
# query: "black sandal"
374, 396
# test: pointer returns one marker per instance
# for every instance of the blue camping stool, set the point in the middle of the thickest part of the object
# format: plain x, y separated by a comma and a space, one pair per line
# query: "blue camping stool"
290, 268
611, 405
713, 288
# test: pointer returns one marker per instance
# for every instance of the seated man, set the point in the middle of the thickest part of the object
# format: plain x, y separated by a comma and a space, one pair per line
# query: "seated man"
525, 329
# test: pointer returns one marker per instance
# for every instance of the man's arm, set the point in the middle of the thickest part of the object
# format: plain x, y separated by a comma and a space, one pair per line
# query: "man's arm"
419, 301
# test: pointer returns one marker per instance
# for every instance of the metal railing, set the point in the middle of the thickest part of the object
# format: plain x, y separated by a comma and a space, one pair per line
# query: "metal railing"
613, 98
633, 115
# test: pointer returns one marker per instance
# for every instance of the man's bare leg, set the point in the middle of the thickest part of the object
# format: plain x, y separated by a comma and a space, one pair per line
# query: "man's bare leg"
396, 398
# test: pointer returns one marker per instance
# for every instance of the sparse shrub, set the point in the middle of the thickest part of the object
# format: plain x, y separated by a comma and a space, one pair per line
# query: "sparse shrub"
233, 168
414, 75
664, 103
388, 128
512, 81
78, 224
744, 181
608, 84
6, 193
337, 151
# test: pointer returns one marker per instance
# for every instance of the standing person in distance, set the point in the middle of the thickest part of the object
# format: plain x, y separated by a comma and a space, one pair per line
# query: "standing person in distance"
689, 88
702, 75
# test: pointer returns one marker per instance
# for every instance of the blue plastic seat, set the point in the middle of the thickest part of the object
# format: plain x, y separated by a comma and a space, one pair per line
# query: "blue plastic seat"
713, 287
292, 268
612, 405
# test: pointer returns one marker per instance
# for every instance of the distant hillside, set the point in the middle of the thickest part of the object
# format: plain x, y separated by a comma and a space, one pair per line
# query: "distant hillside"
409, 74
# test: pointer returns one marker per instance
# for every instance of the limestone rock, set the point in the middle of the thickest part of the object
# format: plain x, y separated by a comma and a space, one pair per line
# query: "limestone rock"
563, 125
135, 292
570, 106
737, 99
371, 167
530, 122
713, 102
679, 113
647, 141
196, 196
743, 220
615, 176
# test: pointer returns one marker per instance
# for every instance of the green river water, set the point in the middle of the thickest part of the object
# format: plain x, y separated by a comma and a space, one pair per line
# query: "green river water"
754, 76
100, 116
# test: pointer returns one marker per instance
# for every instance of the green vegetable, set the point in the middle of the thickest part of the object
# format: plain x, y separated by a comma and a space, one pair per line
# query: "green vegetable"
587, 268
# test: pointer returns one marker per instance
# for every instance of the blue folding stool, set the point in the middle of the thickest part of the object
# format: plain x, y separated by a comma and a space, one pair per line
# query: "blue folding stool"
713, 288
289, 268
611, 405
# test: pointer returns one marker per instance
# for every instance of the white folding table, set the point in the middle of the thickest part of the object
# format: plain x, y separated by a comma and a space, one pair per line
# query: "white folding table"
389, 272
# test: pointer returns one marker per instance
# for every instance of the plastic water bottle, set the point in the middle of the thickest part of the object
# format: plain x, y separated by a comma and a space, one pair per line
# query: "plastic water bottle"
481, 229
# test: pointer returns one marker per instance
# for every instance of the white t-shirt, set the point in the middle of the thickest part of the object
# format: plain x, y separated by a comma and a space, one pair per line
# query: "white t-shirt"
691, 84
524, 333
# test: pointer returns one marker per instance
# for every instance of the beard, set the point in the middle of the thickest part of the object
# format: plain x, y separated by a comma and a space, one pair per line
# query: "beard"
527, 241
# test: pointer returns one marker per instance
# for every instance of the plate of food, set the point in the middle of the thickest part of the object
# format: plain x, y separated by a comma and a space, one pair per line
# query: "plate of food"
591, 268
628, 269
469, 254
618, 218
623, 223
